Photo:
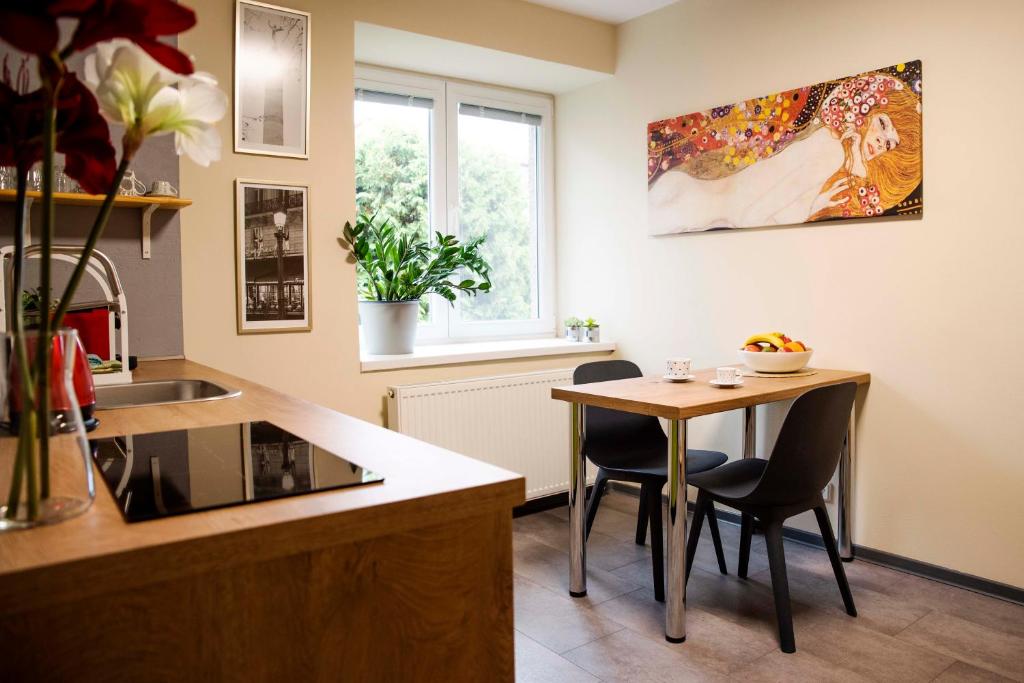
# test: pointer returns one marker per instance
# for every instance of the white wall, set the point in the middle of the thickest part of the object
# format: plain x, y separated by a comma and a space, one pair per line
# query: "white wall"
931, 307
323, 365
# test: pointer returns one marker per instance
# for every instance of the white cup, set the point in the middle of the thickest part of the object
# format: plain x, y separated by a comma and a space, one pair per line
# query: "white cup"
679, 367
162, 188
728, 375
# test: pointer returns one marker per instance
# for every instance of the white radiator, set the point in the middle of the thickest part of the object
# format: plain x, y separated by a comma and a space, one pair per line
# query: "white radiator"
508, 421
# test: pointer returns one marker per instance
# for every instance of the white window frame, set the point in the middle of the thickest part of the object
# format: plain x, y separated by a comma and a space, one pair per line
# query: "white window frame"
384, 80
499, 98
443, 190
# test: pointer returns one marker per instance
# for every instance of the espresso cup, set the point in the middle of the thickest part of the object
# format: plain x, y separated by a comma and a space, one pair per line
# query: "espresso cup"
162, 188
728, 375
678, 367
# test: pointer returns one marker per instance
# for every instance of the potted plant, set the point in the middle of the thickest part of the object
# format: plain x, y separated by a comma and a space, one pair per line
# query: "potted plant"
395, 271
573, 329
148, 88
591, 330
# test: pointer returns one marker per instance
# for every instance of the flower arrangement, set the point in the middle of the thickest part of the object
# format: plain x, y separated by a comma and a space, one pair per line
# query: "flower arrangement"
131, 78
394, 267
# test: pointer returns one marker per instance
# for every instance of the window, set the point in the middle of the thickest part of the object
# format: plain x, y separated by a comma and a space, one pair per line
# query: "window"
435, 156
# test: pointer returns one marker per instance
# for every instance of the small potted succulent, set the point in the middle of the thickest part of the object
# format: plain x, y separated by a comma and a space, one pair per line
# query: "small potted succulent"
394, 271
591, 330
573, 329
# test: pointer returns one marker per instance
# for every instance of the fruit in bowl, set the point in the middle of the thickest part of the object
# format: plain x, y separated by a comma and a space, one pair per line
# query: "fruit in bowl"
775, 352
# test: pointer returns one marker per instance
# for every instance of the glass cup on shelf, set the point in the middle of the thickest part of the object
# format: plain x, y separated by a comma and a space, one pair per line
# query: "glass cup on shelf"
35, 178
8, 178
62, 182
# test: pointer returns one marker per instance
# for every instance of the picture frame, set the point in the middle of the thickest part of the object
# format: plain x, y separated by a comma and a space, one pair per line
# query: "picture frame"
850, 148
273, 290
271, 80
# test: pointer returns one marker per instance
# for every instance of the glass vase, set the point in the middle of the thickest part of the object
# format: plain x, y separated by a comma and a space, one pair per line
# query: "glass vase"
46, 475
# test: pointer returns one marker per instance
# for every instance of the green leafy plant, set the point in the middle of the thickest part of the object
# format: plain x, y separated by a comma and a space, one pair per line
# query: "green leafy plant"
401, 267
30, 301
590, 323
30, 304
573, 322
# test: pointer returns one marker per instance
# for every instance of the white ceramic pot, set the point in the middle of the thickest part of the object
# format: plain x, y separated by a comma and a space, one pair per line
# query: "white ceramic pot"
389, 327
592, 334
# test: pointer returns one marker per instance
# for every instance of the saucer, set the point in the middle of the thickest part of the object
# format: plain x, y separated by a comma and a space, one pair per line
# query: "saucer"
725, 385
683, 378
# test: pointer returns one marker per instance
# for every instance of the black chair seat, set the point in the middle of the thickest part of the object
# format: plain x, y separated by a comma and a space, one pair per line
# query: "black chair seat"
654, 463
802, 462
732, 481
633, 448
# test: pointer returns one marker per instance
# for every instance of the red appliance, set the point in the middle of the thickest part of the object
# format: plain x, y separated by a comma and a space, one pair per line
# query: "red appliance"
85, 390
93, 325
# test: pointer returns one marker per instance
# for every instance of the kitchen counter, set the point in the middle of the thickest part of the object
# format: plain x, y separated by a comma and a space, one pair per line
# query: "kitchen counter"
404, 580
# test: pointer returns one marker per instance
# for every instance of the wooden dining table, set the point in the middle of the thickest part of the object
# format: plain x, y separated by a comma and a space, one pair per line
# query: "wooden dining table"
677, 402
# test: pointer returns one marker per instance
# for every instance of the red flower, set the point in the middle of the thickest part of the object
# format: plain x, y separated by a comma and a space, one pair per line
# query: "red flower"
20, 114
31, 25
140, 21
83, 137
82, 133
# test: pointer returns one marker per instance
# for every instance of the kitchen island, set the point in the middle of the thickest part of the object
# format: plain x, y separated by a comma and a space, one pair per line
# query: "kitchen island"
410, 579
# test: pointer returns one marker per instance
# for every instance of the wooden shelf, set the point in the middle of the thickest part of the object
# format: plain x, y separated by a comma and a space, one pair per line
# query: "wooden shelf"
146, 205
80, 199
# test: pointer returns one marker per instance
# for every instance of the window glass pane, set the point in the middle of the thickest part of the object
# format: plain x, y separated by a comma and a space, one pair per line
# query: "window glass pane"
392, 136
498, 193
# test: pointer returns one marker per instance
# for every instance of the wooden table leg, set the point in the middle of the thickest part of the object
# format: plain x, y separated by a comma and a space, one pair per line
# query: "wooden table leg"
577, 505
675, 551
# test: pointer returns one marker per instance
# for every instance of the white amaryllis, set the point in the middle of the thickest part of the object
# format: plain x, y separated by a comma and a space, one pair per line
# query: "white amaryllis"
135, 90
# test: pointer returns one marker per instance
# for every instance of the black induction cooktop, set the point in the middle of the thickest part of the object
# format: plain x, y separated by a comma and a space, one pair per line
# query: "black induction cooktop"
161, 474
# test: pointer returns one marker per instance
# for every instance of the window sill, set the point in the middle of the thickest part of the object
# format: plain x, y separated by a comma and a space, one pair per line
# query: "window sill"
474, 352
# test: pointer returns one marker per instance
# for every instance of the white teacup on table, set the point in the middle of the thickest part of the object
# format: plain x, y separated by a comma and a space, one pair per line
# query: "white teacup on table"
678, 370
727, 377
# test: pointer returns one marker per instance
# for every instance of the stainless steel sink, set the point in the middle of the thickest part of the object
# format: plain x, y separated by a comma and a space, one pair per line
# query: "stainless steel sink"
160, 392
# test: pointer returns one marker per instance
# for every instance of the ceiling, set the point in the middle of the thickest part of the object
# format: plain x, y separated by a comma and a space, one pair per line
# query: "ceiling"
610, 11
382, 46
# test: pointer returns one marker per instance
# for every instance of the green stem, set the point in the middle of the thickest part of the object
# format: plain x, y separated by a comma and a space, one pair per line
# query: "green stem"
90, 245
22, 226
43, 353
26, 442
25, 389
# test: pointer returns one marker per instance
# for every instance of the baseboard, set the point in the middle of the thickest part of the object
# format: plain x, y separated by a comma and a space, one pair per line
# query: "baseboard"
542, 503
994, 589
907, 565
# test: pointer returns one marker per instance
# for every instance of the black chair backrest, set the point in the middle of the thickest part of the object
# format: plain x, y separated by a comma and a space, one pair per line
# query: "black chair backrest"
608, 432
808, 447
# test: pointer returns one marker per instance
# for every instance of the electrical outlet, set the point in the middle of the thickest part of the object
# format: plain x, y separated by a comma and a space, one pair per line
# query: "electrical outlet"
828, 493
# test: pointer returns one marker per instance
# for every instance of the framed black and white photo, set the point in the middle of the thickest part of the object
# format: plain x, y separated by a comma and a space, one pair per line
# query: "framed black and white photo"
272, 257
271, 80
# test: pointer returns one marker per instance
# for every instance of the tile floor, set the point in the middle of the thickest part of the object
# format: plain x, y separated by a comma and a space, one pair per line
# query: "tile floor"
908, 628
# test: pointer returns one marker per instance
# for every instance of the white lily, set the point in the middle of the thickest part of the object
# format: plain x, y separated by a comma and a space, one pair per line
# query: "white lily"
125, 80
190, 111
133, 89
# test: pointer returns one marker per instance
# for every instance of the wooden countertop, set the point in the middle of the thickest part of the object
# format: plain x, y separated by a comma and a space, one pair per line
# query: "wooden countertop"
677, 401
98, 551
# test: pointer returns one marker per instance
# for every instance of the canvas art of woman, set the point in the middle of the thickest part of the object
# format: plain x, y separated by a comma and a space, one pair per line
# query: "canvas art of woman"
849, 148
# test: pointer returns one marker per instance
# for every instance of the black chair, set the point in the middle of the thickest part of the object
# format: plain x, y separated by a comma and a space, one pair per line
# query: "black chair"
790, 482
631, 447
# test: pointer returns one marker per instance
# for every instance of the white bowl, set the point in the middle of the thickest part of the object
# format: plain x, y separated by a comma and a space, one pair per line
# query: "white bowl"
780, 361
